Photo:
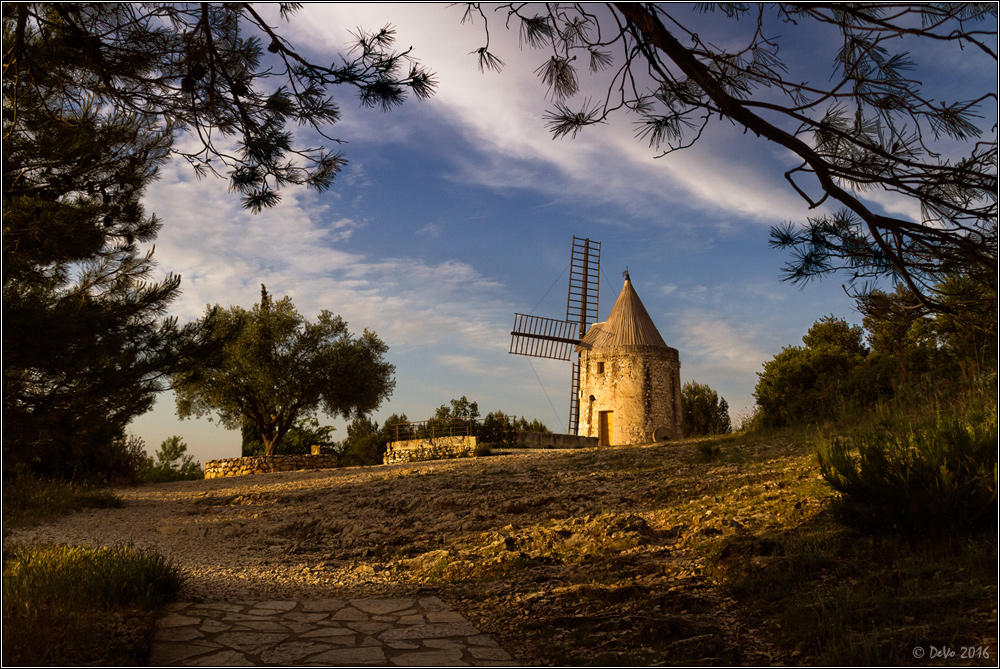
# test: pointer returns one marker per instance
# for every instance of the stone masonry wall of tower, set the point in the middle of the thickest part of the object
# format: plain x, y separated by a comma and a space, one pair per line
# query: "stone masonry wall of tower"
640, 385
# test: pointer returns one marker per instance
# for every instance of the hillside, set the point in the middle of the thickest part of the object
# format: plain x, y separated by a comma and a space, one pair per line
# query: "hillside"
663, 554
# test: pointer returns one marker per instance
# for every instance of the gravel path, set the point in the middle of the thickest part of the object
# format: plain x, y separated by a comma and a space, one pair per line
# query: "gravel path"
292, 535
529, 546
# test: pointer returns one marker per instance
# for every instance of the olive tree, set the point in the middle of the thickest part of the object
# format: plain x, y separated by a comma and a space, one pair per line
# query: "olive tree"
278, 367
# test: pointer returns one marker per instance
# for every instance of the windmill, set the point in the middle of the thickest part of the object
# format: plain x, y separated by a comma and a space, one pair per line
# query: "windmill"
540, 337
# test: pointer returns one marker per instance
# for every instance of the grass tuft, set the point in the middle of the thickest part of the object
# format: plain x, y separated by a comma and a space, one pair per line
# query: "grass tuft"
708, 450
70, 605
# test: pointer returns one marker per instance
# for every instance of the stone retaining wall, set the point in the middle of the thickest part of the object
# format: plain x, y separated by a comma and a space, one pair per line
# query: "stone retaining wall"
438, 448
266, 464
549, 440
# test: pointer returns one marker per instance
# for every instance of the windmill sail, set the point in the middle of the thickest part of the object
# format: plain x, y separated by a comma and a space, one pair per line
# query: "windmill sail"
581, 307
584, 281
541, 337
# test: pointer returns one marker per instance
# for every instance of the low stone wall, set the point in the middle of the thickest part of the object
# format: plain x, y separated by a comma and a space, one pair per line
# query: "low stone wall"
549, 440
215, 469
438, 448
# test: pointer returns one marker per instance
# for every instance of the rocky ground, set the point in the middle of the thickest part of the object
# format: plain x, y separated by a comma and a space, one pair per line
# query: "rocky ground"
565, 557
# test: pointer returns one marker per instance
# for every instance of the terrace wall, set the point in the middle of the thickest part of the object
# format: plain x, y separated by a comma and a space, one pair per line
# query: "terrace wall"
267, 464
438, 448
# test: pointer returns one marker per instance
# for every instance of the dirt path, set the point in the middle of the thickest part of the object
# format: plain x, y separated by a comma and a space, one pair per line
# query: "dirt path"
564, 557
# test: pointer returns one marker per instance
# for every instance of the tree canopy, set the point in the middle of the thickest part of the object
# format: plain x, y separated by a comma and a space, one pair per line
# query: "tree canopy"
807, 384
278, 367
86, 344
915, 344
912, 355
460, 409
366, 443
202, 68
172, 463
867, 126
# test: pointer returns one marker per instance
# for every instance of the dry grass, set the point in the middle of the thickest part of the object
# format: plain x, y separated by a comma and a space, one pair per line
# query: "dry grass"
29, 500
712, 551
676, 557
72, 605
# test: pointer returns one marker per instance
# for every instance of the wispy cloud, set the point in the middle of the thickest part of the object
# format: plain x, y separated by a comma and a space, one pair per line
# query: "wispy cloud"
430, 230
467, 364
715, 343
720, 352
500, 114
298, 249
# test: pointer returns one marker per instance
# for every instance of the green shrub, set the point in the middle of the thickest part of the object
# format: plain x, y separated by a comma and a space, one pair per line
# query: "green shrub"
361, 451
914, 477
708, 450
815, 383
67, 605
117, 462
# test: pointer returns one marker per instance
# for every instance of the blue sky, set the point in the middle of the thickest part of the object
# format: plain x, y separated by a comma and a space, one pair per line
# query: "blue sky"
458, 211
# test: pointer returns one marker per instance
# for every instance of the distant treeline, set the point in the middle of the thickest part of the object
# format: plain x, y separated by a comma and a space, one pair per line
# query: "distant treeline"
901, 351
366, 440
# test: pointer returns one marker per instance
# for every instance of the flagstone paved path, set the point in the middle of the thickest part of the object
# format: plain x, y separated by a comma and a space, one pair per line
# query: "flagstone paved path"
408, 632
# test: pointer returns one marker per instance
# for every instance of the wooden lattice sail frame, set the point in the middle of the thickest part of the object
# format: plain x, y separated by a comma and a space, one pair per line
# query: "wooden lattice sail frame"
540, 337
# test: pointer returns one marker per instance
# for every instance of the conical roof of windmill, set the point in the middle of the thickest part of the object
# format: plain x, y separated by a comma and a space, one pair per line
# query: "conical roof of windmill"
628, 324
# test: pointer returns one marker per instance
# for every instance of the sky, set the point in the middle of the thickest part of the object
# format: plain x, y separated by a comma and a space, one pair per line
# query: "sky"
456, 212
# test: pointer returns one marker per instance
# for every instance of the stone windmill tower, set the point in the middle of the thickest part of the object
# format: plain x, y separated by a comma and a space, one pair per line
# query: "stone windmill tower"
630, 386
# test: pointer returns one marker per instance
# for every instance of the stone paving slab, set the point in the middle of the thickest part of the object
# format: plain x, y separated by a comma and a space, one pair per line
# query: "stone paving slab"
405, 632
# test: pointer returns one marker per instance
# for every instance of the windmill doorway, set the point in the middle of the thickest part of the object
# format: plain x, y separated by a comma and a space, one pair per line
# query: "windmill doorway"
605, 427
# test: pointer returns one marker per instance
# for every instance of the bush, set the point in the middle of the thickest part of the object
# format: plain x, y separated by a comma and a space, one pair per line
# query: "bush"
362, 451
125, 459
918, 477
708, 450
71, 605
